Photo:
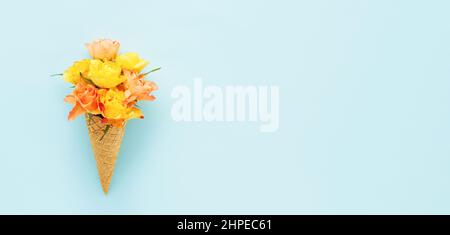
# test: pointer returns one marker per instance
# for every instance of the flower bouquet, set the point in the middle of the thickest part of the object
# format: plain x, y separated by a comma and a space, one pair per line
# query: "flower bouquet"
106, 90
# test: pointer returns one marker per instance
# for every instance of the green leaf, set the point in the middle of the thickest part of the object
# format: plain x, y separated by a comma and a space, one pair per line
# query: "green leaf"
90, 118
105, 131
88, 80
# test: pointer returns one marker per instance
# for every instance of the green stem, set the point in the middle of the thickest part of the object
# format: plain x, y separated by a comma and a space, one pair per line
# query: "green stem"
151, 71
56, 75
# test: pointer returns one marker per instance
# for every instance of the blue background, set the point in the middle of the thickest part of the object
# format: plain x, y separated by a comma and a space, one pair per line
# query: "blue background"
364, 108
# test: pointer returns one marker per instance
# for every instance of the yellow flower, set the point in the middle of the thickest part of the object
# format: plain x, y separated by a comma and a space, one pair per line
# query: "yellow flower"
105, 74
73, 74
113, 106
131, 61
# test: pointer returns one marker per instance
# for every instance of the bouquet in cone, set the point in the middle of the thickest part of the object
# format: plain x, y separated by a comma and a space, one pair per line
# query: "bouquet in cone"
106, 90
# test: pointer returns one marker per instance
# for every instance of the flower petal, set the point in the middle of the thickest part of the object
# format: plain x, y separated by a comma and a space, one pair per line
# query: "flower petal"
75, 112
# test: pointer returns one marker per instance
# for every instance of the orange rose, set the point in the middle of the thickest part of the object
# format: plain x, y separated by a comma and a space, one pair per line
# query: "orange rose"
85, 98
103, 49
137, 88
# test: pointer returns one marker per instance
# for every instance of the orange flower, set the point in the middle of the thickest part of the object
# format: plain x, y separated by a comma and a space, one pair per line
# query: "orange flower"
103, 49
114, 122
137, 88
85, 98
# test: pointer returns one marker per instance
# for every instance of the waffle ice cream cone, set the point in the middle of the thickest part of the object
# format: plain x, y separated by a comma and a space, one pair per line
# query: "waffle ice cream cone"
105, 141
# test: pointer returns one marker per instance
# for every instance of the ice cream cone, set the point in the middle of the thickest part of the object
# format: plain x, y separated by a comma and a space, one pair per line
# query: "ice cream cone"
105, 141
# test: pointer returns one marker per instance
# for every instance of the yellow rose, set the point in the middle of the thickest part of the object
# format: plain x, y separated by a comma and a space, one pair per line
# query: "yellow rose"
131, 61
114, 106
78, 69
105, 74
